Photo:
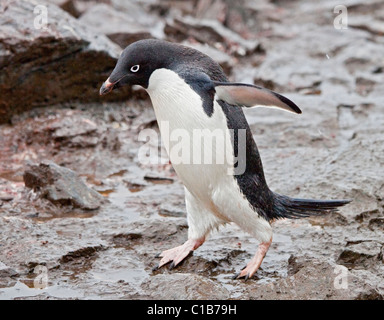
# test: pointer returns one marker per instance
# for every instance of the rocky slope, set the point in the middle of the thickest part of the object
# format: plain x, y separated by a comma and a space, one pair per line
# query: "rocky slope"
51, 111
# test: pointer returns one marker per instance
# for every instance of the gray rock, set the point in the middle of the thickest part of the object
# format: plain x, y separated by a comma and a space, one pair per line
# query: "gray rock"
376, 27
7, 276
61, 186
83, 253
75, 132
180, 286
76, 7
60, 62
376, 224
172, 210
154, 177
212, 33
6, 271
360, 255
317, 280
122, 28
242, 16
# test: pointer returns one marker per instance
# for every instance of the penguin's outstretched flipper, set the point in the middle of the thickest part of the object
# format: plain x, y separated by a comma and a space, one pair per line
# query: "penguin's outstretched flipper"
248, 95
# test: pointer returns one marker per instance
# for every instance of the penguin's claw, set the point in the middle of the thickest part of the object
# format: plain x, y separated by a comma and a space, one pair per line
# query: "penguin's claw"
235, 276
172, 265
178, 254
240, 275
247, 273
253, 265
173, 256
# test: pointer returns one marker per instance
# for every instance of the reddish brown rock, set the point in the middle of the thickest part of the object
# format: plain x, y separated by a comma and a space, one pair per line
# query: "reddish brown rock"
63, 62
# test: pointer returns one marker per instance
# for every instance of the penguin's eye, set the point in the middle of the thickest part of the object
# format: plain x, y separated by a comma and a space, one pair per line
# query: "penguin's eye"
135, 68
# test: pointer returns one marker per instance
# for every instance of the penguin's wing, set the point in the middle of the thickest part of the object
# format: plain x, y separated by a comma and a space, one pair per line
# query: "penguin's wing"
248, 95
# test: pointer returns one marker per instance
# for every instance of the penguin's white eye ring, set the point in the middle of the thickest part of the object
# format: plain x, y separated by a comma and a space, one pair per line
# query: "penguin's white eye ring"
135, 68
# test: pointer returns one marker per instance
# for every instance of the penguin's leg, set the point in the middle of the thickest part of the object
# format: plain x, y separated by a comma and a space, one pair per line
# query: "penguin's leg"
200, 222
255, 262
259, 228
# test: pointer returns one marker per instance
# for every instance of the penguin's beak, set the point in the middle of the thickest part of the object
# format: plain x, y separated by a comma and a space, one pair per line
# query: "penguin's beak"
113, 82
107, 87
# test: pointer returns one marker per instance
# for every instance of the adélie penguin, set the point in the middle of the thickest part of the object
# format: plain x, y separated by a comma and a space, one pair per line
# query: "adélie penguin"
190, 92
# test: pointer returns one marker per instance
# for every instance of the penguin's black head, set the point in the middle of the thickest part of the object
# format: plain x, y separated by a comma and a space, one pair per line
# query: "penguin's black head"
134, 67
141, 58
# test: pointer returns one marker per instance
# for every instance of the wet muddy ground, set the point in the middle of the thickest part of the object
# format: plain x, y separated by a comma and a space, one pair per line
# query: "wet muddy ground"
335, 149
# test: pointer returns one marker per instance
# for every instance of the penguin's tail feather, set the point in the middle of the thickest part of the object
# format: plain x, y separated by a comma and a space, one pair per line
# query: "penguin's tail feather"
293, 208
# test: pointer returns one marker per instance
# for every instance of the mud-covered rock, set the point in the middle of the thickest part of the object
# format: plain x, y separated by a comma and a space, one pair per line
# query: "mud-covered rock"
323, 280
155, 177
6, 271
7, 276
126, 240
172, 210
184, 286
47, 64
376, 224
75, 132
83, 253
61, 186
361, 255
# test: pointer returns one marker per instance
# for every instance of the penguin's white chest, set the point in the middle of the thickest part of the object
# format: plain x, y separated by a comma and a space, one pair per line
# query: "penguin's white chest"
199, 146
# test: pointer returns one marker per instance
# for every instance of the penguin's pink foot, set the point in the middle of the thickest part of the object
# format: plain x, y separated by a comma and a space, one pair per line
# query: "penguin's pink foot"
255, 262
178, 254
